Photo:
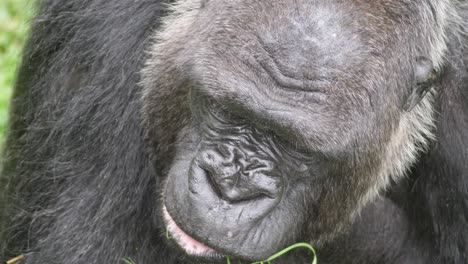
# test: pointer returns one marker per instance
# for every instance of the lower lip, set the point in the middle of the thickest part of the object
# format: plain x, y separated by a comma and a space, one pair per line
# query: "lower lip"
186, 242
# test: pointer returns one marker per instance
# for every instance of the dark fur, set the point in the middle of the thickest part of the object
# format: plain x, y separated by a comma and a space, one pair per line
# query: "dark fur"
78, 186
76, 183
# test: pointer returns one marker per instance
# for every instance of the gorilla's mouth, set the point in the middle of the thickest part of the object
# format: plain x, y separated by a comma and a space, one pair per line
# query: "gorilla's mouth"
186, 242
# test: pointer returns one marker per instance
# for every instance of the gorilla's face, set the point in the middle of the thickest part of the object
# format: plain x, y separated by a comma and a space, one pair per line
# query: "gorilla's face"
275, 122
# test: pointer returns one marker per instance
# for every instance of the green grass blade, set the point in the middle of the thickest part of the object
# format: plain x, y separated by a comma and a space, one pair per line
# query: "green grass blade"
288, 249
128, 261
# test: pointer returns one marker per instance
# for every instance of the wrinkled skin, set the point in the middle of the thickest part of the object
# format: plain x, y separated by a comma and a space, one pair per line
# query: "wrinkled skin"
237, 128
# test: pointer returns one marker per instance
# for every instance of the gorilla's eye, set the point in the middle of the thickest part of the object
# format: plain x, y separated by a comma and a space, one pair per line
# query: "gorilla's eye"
289, 143
223, 113
425, 75
219, 112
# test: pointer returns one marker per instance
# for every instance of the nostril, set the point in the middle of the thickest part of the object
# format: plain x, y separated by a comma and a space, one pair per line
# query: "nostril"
212, 182
209, 157
224, 150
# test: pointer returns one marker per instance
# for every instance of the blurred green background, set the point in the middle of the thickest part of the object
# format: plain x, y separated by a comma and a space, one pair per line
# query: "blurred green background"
14, 20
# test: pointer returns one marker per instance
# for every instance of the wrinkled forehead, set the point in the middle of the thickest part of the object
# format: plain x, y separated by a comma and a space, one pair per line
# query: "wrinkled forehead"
295, 19
312, 34
332, 34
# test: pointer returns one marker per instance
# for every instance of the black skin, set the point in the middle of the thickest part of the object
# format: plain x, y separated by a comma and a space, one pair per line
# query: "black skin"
259, 125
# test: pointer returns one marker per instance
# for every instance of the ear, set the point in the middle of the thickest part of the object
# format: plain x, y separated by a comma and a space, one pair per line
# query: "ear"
424, 75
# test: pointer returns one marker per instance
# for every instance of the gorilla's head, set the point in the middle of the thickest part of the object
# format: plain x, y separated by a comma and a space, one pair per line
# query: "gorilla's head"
276, 122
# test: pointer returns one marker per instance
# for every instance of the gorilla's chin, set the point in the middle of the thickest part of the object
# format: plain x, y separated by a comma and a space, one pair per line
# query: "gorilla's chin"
191, 246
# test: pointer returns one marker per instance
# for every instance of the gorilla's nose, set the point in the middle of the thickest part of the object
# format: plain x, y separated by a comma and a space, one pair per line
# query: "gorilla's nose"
236, 176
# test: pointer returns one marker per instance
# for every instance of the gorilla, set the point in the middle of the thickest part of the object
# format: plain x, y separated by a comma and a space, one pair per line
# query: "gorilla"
206, 131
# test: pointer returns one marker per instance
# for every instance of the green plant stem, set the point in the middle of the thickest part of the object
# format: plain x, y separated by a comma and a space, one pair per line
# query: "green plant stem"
286, 250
